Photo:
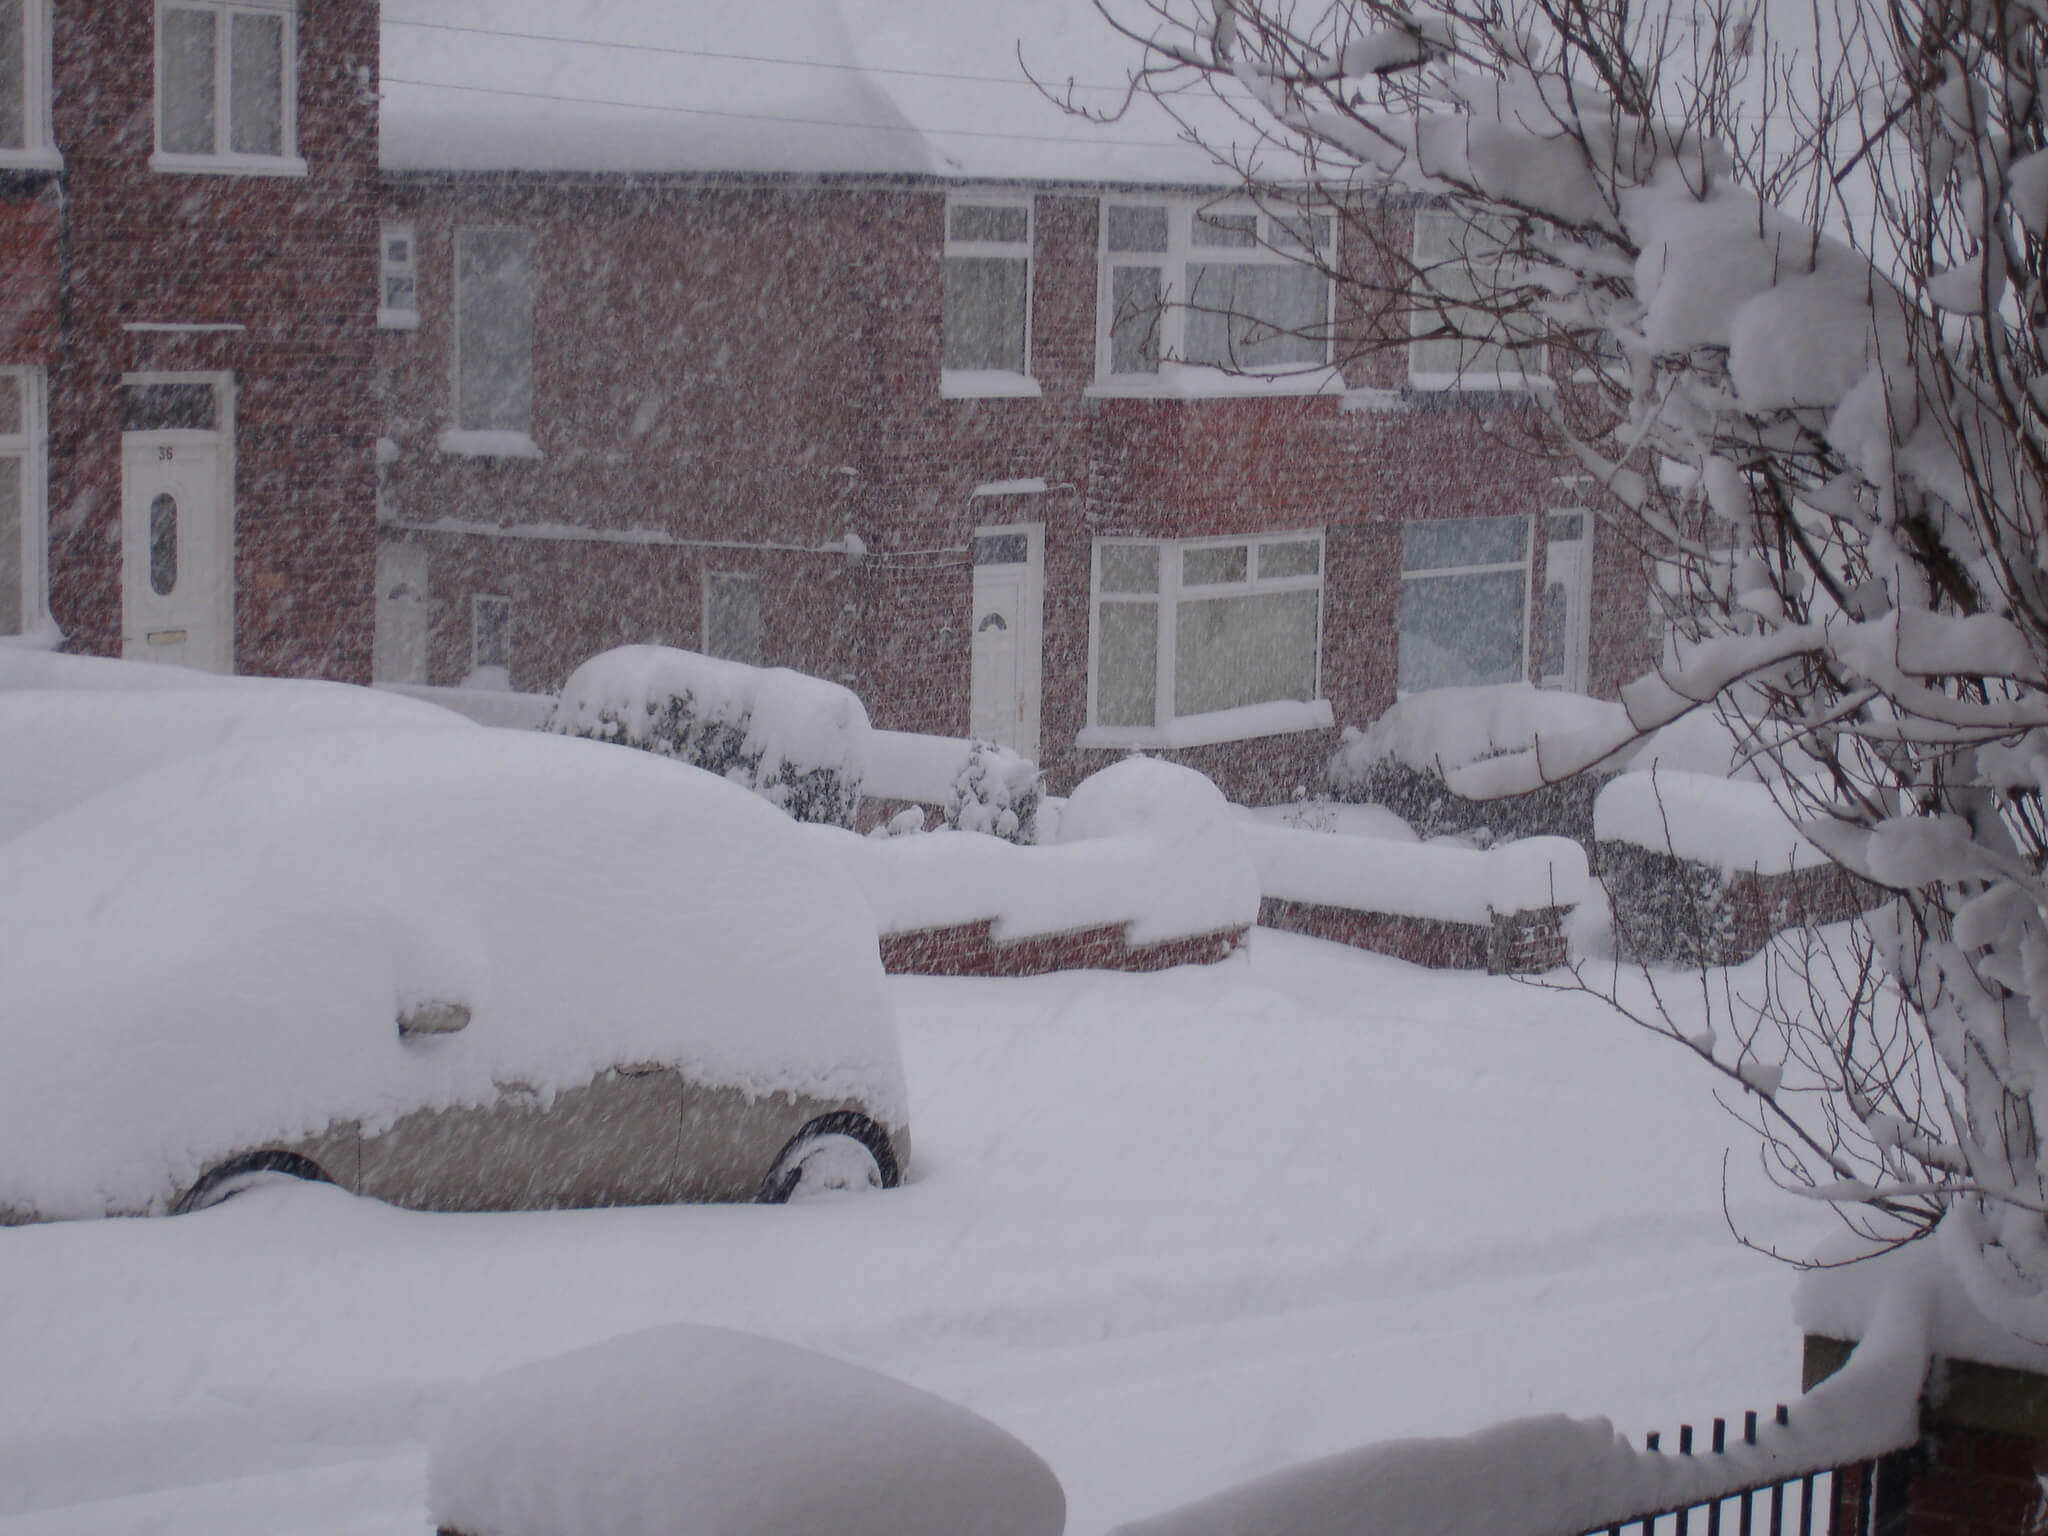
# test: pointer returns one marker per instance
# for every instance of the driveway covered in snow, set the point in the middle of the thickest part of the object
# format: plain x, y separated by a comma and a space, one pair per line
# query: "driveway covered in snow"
1173, 1230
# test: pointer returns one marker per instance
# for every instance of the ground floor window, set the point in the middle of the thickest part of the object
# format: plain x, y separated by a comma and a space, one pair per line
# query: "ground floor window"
1464, 612
1185, 629
732, 616
23, 594
490, 641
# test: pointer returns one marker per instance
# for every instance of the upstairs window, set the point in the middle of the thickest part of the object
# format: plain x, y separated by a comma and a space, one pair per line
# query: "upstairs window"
493, 342
1220, 286
987, 347
1460, 266
398, 296
226, 86
25, 85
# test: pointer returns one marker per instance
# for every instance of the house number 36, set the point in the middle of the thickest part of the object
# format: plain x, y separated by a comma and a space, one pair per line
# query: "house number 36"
164, 454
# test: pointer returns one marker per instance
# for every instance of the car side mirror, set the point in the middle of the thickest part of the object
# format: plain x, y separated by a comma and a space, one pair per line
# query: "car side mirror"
435, 1016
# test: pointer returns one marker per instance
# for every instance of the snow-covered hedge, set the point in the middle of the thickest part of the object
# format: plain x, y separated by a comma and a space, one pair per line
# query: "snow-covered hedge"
1402, 759
997, 791
798, 742
702, 1429
1447, 883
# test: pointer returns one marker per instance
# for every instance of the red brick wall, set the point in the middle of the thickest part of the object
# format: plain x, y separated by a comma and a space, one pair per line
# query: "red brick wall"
968, 950
292, 259
789, 342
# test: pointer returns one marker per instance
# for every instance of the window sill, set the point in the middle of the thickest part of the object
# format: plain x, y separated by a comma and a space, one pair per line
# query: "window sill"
1183, 381
42, 157
398, 319
1479, 383
979, 384
228, 165
1280, 718
488, 445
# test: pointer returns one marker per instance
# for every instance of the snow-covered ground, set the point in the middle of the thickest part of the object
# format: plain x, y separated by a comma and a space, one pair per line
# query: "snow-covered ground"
1172, 1230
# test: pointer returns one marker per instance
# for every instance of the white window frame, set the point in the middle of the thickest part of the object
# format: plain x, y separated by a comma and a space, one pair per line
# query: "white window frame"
1423, 318
1576, 674
1168, 730
38, 151
994, 383
711, 578
224, 161
398, 317
1526, 565
487, 442
477, 664
1175, 375
32, 446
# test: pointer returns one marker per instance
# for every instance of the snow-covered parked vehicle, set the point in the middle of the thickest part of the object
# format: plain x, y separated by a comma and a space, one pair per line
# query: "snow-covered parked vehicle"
447, 968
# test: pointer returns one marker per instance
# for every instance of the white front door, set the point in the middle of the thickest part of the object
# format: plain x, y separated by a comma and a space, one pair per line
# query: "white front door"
400, 655
1567, 600
175, 548
1009, 604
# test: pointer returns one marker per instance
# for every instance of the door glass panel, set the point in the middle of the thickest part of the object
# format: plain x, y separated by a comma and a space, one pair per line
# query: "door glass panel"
163, 544
168, 407
1002, 548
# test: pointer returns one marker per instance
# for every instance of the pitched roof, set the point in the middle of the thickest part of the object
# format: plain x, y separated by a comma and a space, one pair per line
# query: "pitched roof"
818, 87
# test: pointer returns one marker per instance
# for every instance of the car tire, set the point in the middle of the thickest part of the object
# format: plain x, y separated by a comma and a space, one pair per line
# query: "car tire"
842, 1151
226, 1180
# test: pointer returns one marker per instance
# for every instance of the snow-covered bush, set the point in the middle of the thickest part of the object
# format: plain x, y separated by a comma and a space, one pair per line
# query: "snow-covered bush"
798, 742
998, 792
702, 1429
1143, 796
1400, 760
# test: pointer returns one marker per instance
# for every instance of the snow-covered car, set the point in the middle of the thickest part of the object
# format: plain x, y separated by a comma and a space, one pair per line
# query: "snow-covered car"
450, 969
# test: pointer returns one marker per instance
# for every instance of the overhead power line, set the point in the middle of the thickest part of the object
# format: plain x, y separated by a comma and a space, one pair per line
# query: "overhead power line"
770, 117
742, 58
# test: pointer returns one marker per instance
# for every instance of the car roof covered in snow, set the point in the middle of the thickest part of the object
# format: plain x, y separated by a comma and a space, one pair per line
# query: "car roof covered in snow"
897, 88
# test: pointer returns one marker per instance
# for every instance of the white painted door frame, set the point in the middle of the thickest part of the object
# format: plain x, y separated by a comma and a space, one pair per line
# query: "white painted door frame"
1007, 643
192, 623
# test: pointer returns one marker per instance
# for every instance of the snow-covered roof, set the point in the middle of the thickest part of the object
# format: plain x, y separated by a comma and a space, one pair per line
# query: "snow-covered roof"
809, 87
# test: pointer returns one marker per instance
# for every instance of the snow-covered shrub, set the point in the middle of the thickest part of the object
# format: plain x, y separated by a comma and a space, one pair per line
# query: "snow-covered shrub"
1401, 760
997, 791
798, 742
1145, 796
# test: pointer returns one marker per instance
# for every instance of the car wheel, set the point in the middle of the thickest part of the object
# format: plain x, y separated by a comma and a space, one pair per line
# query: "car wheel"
228, 1179
837, 1153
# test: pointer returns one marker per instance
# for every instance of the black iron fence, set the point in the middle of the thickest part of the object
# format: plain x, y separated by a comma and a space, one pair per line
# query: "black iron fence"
1862, 1499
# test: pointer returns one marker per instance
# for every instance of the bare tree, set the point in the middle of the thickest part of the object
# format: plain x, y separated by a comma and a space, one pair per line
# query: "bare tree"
1787, 268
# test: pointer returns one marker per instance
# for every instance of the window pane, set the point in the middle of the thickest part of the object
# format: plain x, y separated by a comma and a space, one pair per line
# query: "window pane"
1127, 659
1455, 541
12, 547
184, 83
1134, 298
13, 79
400, 293
1458, 631
1130, 567
491, 639
732, 617
979, 221
1567, 526
1301, 231
984, 315
168, 407
256, 84
163, 544
1232, 229
10, 405
1136, 229
1207, 567
1555, 600
1298, 557
398, 250
494, 330
1264, 316
1232, 651
1002, 549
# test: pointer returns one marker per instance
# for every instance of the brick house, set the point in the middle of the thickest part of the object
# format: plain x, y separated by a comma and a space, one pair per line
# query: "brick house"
791, 335
188, 201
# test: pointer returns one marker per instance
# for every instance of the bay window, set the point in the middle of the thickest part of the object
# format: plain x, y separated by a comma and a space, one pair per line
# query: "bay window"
1236, 289
1464, 608
227, 86
987, 318
1205, 640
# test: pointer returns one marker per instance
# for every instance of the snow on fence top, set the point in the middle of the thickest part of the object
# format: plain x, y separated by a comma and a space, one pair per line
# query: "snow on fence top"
1725, 822
799, 742
701, 1429
1447, 728
1554, 1476
1445, 882
905, 765
916, 87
